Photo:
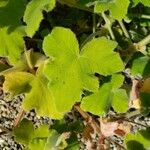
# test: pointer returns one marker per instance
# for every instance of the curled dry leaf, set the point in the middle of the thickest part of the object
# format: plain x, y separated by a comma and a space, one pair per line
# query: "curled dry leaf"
108, 128
134, 94
119, 128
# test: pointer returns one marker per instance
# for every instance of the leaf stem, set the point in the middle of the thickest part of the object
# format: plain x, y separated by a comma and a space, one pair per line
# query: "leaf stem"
89, 119
91, 36
144, 42
124, 29
131, 121
28, 59
94, 124
108, 25
133, 113
94, 23
145, 16
19, 118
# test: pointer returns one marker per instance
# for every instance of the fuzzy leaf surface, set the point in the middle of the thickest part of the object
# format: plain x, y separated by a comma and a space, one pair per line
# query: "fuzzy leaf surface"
70, 71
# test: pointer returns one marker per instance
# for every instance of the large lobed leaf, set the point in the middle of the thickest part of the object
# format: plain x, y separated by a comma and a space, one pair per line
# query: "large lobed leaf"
66, 73
37, 94
70, 71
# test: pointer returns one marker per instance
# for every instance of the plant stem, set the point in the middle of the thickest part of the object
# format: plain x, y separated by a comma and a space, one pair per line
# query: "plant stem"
95, 125
89, 119
91, 36
108, 25
145, 16
133, 114
94, 24
144, 42
136, 123
19, 118
124, 29
28, 59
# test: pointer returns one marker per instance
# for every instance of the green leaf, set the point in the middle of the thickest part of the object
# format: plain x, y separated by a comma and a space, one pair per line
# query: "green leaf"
41, 132
73, 143
120, 100
117, 81
11, 13
3, 3
141, 66
11, 32
51, 141
37, 144
23, 82
36, 58
43, 101
17, 82
145, 102
11, 44
24, 132
63, 71
99, 102
39, 138
118, 8
73, 146
99, 52
144, 2
69, 71
145, 94
32, 139
56, 141
63, 126
139, 140
33, 14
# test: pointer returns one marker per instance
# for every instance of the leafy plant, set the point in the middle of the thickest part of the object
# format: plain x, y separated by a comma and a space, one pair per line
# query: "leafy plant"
94, 65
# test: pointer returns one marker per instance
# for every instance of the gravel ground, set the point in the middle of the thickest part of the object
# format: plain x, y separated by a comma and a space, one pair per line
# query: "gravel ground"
8, 114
